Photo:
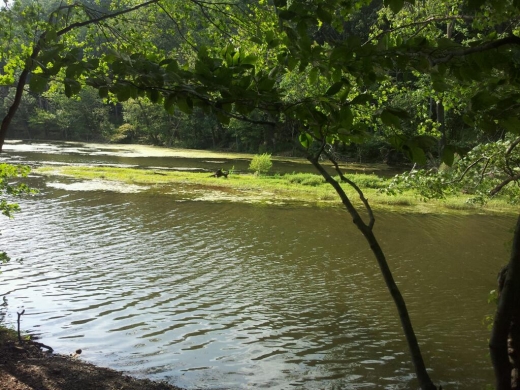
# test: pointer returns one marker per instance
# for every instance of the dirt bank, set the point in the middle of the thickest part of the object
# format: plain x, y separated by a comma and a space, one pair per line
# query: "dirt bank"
27, 367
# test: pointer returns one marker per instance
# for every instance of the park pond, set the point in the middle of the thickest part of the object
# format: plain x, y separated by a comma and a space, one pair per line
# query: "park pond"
233, 295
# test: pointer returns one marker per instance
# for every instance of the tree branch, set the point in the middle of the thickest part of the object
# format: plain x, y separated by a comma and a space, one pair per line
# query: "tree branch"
104, 17
422, 23
510, 40
178, 27
372, 220
497, 189
467, 170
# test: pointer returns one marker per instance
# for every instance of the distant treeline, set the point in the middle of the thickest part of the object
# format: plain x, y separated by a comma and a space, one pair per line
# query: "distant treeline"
86, 117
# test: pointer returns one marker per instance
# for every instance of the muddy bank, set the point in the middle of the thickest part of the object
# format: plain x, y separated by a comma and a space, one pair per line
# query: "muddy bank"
27, 367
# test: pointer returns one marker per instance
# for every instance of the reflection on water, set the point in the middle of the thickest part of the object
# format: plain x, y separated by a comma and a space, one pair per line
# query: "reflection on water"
211, 295
64, 153
219, 295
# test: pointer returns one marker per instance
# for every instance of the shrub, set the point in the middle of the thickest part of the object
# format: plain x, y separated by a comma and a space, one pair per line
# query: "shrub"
261, 163
124, 134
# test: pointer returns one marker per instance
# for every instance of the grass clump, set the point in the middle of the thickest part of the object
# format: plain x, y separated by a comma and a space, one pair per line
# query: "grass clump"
7, 335
306, 179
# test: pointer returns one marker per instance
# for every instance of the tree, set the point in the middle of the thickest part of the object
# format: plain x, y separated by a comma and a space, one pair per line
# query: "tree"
231, 78
47, 49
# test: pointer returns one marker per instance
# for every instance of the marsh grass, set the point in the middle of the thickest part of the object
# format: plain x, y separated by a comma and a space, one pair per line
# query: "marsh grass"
305, 188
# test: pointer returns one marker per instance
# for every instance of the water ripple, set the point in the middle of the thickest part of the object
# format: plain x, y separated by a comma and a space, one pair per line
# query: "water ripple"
211, 295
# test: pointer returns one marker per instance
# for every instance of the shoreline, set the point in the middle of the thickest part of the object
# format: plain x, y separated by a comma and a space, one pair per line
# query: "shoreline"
27, 367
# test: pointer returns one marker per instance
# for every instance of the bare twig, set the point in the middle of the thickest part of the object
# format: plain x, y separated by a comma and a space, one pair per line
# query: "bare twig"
18, 322
467, 170
177, 26
483, 173
509, 150
422, 23
104, 17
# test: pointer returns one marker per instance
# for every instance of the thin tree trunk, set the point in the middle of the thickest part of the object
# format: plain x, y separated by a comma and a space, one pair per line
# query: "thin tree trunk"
420, 369
507, 309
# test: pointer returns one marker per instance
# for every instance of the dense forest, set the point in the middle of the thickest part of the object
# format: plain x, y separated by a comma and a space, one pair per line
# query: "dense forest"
433, 107
433, 81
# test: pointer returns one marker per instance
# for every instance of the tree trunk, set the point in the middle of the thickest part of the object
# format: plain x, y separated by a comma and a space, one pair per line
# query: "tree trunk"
420, 369
441, 120
507, 320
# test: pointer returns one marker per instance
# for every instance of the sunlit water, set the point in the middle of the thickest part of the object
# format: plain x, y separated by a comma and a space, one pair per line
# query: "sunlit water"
216, 295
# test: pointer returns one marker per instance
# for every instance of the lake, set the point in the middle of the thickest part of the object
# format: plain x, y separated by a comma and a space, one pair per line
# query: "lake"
226, 295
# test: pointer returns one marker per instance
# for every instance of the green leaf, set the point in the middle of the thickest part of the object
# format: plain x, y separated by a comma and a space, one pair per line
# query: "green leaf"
37, 83
224, 119
334, 88
340, 53
423, 141
475, 4
313, 75
390, 119
169, 103
250, 59
154, 95
51, 35
72, 87
482, 100
395, 5
305, 140
68, 90
266, 84
448, 155
440, 86
286, 15
511, 124
416, 154
362, 99
274, 43
347, 117
398, 112
103, 92
291, 63
74, 70
324, 15
123, 92
185, 105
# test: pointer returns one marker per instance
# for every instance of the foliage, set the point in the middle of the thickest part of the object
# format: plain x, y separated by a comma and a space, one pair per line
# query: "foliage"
261, 164
8, 190
482, 172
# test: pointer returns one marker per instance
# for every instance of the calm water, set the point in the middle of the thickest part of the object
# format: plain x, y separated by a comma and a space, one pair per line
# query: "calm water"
216, 295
